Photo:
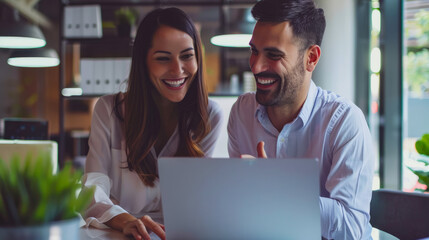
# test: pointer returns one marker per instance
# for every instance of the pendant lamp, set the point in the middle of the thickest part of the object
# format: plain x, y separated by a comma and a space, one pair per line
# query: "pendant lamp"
19, 35
231, 40
237, 34
37, 57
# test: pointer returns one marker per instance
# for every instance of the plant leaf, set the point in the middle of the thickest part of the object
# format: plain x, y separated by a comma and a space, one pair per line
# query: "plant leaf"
426, 162
84, 199
422, 145
32, 194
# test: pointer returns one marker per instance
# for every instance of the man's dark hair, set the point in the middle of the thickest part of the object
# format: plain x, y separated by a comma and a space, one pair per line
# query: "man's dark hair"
308, 22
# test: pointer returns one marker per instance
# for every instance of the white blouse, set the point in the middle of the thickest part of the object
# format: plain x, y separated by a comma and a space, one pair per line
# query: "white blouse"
117, 189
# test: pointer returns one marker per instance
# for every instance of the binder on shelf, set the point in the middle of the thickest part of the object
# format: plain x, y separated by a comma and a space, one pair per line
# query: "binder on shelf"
82, 22
104, 76
87, 76
98, 76
117, 77
92, 26
126, 68
68, 22
72, 21
108, 75
122, 70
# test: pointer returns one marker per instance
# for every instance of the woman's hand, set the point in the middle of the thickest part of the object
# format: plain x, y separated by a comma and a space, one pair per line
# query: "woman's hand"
138, 228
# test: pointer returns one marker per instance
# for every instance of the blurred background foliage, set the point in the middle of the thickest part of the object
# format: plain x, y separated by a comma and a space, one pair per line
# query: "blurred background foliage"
417, 59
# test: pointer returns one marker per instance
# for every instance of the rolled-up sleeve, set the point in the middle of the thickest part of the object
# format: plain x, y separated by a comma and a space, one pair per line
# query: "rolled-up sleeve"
345, 212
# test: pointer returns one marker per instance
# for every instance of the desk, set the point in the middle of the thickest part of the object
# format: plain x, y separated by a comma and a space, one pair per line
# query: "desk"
105, 234
110, 234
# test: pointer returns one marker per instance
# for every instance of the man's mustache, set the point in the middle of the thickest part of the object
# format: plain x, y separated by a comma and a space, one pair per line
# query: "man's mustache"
266, 75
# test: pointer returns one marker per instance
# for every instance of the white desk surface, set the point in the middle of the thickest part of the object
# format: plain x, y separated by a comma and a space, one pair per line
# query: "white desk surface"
110, 234
105, 234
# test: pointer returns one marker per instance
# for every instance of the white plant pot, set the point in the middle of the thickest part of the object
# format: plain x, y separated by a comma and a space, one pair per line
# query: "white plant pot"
59, 230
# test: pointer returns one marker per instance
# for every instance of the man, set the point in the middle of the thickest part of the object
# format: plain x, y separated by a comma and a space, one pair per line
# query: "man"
295, 118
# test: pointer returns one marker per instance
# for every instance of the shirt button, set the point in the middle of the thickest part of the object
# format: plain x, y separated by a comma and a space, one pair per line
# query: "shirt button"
282, 140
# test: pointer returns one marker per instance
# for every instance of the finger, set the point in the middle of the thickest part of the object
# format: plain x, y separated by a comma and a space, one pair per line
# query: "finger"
142, 230
162, 226
261, 150
154, 226
158, 230
135, 233
246, 156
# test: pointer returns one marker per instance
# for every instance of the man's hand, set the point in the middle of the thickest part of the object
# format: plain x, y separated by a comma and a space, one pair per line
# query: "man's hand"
260, 149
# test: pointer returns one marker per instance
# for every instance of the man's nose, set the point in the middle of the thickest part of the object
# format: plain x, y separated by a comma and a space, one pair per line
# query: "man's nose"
258, 64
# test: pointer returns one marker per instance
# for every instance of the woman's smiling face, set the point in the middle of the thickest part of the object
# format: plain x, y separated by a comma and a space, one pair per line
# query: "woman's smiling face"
172, 63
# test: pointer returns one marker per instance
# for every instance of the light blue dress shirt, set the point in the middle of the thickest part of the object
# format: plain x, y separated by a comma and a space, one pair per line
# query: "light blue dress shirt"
329, 128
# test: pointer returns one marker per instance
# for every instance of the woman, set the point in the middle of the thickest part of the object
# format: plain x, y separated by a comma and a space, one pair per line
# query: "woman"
165, 112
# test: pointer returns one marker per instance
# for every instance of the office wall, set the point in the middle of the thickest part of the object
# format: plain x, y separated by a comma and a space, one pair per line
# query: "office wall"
9, 82
225, 103
335, 70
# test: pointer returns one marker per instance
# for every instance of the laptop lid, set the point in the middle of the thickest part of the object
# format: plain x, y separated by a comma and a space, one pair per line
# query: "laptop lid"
214, 198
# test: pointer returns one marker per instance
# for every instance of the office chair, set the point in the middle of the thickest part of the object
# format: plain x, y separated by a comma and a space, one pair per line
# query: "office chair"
401, 214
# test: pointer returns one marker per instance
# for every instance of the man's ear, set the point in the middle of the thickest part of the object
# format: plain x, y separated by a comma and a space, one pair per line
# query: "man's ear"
312, 57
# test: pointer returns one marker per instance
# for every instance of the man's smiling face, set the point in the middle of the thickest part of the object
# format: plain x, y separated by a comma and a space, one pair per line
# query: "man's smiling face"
277, 63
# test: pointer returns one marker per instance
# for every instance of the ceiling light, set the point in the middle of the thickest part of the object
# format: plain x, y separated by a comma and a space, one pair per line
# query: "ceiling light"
20, 36
38, 57
231, 40
237, 34
75, 91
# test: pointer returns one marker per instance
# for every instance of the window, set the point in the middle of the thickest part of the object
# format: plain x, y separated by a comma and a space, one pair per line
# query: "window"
415, 113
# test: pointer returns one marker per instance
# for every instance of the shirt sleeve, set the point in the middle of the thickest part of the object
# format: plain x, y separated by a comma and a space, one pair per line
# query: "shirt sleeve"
345, 213
97, 167
215, 118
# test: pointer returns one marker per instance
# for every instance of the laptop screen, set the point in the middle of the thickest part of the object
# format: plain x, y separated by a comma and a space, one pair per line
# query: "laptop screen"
234, 198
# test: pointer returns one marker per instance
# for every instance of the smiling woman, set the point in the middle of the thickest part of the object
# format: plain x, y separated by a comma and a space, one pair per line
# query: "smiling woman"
172, 63
164, 112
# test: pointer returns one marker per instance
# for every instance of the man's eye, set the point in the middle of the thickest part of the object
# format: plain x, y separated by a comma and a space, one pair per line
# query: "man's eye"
274, 56
253, 51
162, 59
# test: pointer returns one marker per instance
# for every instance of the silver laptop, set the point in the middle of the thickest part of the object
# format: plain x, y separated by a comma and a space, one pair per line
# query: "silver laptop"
240, 198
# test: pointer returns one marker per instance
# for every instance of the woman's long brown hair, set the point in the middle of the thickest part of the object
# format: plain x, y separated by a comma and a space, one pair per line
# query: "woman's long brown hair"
141, 119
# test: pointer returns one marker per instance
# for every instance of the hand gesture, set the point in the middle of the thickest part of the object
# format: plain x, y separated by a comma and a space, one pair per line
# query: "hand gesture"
260, 149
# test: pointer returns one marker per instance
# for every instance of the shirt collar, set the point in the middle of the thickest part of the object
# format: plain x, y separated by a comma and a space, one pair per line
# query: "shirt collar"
307, 108
262, 116
304, 114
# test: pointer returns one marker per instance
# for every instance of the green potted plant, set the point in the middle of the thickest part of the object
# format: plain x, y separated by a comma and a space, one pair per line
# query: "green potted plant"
35, 203
422, 147
125, 19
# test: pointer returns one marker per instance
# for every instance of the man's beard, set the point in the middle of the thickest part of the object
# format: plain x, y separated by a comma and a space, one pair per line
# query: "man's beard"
286, 92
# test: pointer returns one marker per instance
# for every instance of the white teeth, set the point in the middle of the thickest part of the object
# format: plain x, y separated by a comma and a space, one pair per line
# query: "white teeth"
175, 83
266, 81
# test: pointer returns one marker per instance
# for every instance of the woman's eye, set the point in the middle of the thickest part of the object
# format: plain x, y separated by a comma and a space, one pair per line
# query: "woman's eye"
187, 56
162, 59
